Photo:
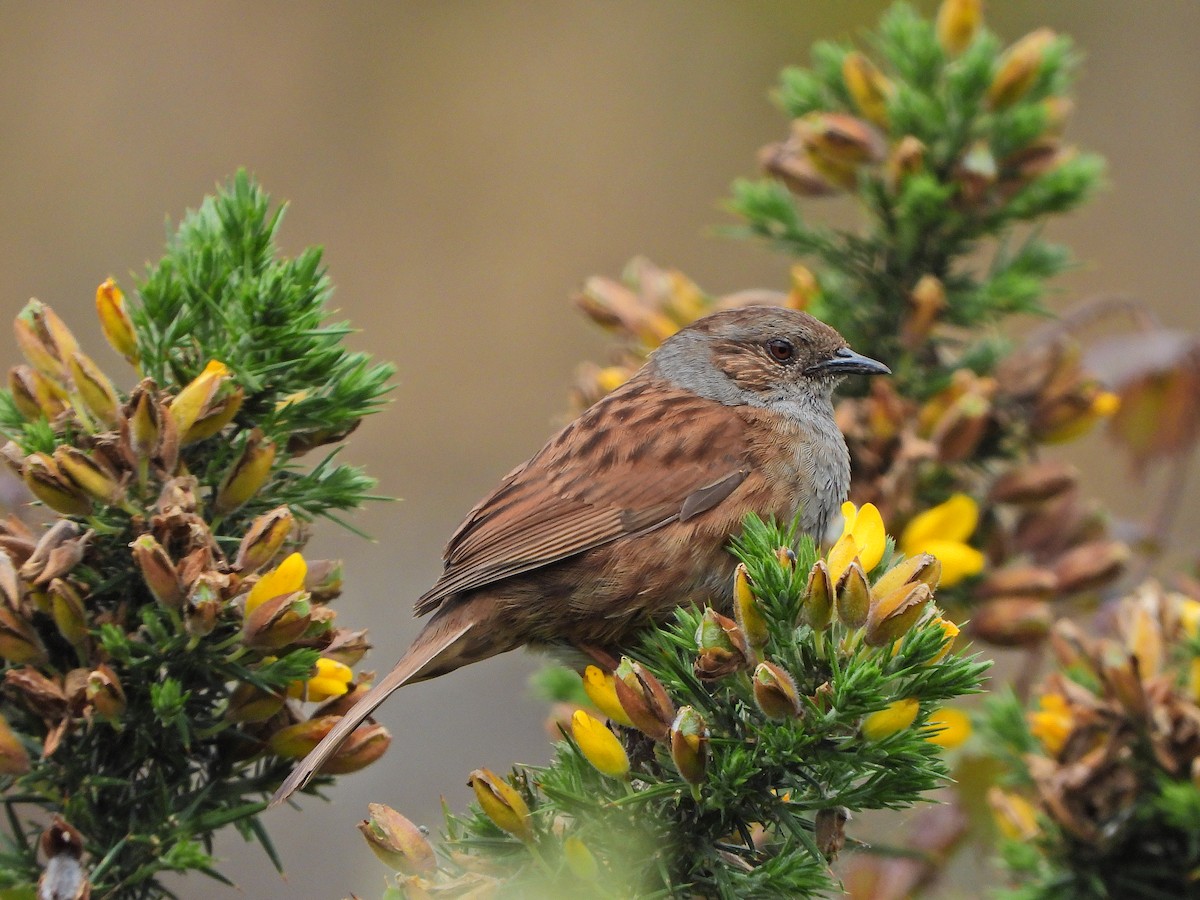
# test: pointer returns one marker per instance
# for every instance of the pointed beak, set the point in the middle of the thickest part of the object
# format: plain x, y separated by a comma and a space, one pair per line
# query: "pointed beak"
847, 362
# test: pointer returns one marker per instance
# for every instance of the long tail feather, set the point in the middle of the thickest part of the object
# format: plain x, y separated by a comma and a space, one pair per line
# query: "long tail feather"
411, 667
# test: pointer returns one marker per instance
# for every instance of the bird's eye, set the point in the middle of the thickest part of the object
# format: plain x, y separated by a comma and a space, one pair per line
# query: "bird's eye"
781, 350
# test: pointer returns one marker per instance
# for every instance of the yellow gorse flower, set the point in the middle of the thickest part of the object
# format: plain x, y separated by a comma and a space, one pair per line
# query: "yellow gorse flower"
863, 536
949, 727
332, 679
1052, 723
894, 717
600, 686
285, 578
599, 745
943, 532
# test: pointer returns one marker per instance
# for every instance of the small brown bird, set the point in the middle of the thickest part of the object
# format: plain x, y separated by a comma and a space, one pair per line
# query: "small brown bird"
628, 511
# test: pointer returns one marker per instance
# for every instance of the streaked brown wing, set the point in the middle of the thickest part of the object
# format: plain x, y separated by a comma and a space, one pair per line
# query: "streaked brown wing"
594, 483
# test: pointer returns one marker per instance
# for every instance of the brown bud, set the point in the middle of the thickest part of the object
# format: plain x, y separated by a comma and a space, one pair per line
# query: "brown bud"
247, 474
906, 159
839, 139
689, 745
892, 616
775, 692
278, 622
105, 694
264, 540
644, 699
396, 841
14, 760
787, 162
57, 552
1034, 482
34, 395
960, 431
44, 340
958, 22
215, 416
347, 647
148, 430
250, 703
158, 571
19, 642
853, 596
723, 648
323, 580
1018, 581
203, 605
94, 388
976, 173
1019, 68
829, 830
818, 597
1091, 565
1012, 621
502, 803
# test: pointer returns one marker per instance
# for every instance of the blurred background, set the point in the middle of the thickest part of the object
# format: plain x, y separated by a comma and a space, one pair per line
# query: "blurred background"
466, 166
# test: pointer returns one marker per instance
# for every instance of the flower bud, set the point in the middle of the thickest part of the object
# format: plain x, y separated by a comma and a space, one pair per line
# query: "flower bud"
598, 745
829, 830
105, 694
906, 159
838, 144
331, 679
68, 611
1015, 816
88, 474
203, 606
348, 647
722, 646
34, 394
926, 302
893, 718
195, 397
96, 391
324, 579
48, 484
949, 632
296, 741
57, 551
19, 642
249, 703
580, 860
853, 596
148, 431
867, 86
366, 744
1018, 581
264, 539
1019, 68
689, 745
115, 321
976, 173
158, 571
775, 692
818, 597
45, 340
958, 22
1011, 621
286, 578
643, 699
1091, 565
215, 416
787, 162
502, 803
921, 568
746, 610
247, 475
14, 759
892, 616
278, 622
397, 842
601, 689
1034, 482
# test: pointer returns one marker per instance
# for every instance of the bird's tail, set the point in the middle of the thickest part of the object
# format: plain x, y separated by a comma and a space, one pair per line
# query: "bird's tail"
440, 647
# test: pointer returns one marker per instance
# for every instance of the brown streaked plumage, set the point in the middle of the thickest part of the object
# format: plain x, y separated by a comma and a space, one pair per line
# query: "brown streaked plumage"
627, 512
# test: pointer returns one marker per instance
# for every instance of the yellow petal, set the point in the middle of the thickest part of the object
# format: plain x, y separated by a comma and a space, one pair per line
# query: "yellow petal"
949, 727
285, 578
870, 536
958, 561
894, 717
849, 514
601, 690
599, 745
840, 556
954, 520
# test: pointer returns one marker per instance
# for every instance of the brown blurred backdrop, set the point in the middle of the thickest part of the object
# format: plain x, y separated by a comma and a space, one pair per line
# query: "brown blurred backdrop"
466, 165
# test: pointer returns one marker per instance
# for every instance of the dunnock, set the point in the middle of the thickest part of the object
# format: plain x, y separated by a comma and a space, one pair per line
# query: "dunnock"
627, 512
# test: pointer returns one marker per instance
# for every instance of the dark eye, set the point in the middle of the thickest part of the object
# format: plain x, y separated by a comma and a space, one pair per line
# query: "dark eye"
781, 350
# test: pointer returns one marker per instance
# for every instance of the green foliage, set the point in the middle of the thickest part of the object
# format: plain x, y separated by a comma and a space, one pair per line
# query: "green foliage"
657, 835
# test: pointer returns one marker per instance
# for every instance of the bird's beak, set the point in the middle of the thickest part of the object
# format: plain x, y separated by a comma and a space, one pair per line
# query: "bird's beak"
847, 362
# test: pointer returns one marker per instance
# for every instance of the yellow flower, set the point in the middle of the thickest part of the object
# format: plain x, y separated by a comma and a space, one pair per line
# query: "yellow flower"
950, 630
863, 535
115, 321
579, 859
1052, 723
1189, 616
286, 578
612, 377
1194, 679
1015, 816
943, 532
949, 728
599, 745
600, 686
502, 803
332, 679
894, 717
